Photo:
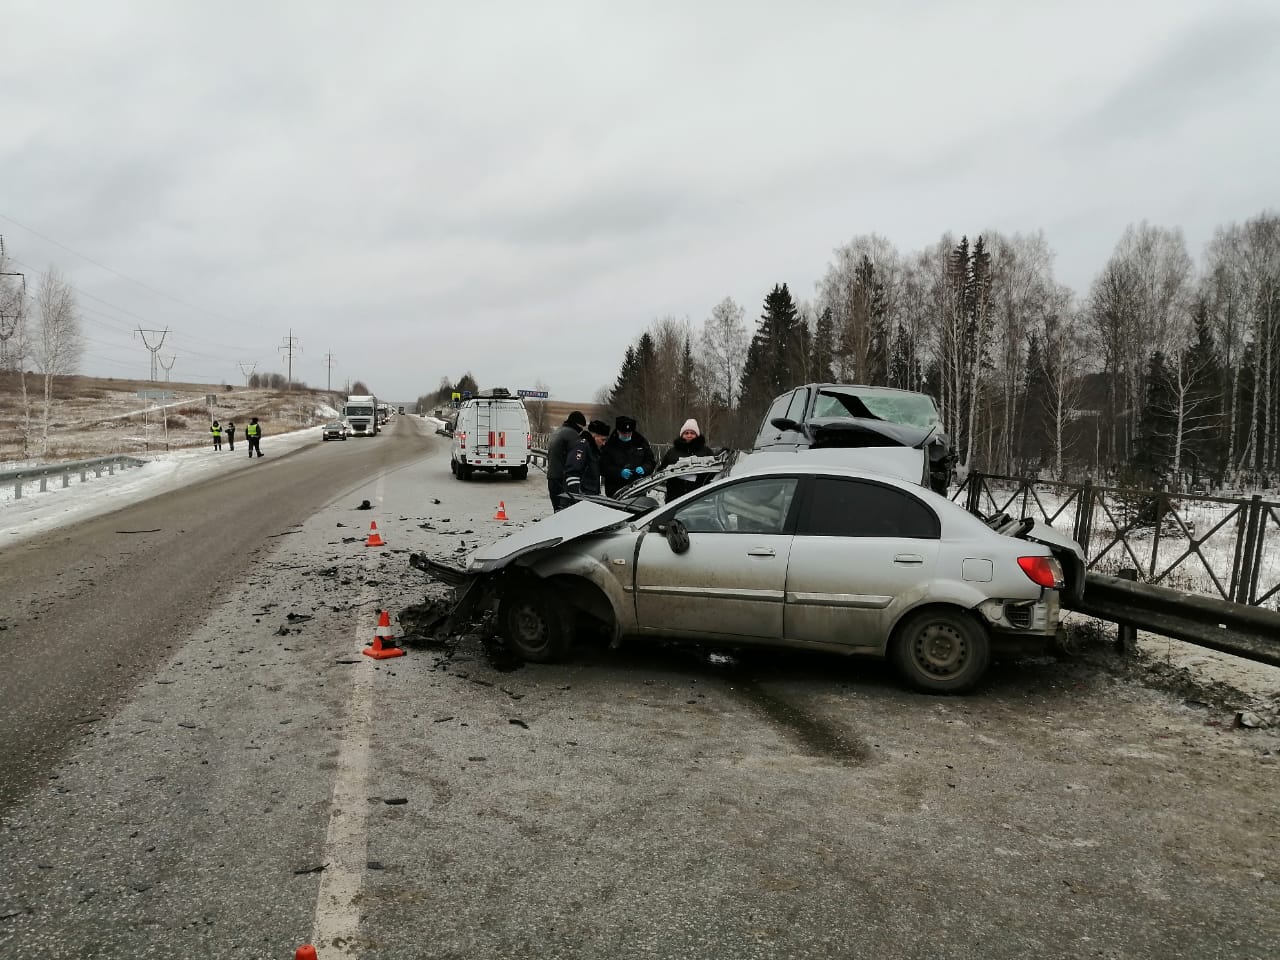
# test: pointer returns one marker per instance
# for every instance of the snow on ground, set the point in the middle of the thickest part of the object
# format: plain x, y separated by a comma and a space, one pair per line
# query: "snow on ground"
36, 513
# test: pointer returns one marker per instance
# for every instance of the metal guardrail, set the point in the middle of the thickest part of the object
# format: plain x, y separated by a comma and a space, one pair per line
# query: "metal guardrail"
21, 476
1243, 631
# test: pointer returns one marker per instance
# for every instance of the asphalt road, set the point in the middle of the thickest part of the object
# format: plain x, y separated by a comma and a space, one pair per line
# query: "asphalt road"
251, 782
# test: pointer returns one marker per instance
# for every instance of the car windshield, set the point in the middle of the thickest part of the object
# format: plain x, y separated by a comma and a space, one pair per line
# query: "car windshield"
895, 406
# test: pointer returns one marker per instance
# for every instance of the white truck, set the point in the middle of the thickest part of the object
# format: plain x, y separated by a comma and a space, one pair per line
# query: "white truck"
361, 415
492, 434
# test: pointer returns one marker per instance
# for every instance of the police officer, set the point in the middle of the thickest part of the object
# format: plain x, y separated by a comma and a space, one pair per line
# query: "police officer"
582, 467
253, 433
566, 435
217, 435
626, 456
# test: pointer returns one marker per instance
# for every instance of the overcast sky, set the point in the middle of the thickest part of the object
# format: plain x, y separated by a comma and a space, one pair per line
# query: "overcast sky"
518, 189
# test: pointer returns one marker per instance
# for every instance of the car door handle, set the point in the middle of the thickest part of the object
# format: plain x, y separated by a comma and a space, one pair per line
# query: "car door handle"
909, 558
760, 552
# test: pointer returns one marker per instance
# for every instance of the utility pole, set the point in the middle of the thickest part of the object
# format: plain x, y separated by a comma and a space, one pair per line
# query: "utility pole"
328, 359
154, 350
247, 373
168, 366
12, 308
287, 348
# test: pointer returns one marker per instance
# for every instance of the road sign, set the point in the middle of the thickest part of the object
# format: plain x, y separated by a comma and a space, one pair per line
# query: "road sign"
534, 394
456, 396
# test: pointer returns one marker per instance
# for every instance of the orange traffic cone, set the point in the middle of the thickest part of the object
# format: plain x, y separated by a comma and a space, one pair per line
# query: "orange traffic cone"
374, 539
305, 952
502, 511
379, 650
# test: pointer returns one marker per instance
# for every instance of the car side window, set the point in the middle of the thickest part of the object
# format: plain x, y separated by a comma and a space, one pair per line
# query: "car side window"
838, 507
768, 432
795, 411
753, 506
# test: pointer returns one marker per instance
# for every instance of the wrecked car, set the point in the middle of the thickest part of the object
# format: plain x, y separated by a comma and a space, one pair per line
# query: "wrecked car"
807, 556
871, 428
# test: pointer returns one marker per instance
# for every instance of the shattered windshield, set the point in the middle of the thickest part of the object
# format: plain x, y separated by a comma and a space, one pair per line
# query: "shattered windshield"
895, 406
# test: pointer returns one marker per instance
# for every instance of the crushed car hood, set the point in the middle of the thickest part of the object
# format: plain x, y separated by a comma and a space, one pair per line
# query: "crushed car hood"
863, 432
584, 517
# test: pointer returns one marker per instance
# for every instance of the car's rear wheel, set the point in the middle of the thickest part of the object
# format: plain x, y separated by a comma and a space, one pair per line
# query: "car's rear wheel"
941, 651
536, 625
464, 472
521, 473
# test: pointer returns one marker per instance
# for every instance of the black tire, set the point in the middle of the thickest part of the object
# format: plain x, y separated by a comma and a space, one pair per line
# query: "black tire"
941, 650
453, 467
521, 473
534, 622
464, 472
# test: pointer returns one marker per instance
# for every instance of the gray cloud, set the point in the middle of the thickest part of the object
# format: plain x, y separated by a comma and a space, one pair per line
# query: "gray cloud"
519, 189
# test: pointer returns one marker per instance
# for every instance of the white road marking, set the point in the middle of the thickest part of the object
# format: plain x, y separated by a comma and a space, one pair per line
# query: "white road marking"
337, 916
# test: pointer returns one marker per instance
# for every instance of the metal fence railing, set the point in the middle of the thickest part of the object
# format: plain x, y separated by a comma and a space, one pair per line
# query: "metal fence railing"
42, 472
1221, 547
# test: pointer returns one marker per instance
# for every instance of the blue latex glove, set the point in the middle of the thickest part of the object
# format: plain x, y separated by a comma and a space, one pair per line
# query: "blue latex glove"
626, 473
639, 471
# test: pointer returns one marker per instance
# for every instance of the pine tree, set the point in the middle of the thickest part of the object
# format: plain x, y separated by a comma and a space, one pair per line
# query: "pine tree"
626, 387
1153, 455
824, 338
776, 358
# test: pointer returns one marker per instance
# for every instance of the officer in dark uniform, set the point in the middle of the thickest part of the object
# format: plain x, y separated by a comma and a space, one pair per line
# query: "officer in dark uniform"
582, 468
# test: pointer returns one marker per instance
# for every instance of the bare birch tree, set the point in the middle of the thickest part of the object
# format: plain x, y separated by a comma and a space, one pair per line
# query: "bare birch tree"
57, 341
724, 342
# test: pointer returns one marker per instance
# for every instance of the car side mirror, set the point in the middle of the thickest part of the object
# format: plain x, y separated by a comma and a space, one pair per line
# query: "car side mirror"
782, 423
677, 537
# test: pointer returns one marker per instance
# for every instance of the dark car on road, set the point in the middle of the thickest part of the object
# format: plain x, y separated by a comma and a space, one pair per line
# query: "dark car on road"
337, 430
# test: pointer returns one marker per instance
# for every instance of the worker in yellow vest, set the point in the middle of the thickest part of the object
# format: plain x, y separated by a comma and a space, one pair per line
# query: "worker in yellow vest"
253, 433
217, 435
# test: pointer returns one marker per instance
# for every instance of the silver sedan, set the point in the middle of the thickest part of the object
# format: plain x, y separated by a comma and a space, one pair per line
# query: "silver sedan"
809, 557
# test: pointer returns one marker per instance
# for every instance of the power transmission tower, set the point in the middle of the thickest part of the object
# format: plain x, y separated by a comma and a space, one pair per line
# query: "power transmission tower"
154, 350
247, 373
168, 366
287, 348
328, 359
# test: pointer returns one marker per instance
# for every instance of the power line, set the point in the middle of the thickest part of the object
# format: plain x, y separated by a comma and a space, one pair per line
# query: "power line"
103, 266
252, 365
168, 366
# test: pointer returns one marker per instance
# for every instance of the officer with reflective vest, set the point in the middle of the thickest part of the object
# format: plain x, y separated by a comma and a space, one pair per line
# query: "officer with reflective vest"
217, 435
253, 433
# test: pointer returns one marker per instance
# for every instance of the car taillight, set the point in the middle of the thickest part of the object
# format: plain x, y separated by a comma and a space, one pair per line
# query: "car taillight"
528, 440
462, 439
1045, 571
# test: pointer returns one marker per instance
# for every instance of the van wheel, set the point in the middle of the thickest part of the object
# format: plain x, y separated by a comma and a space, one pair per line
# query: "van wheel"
941, 651
464, 472
521, 473
536, 625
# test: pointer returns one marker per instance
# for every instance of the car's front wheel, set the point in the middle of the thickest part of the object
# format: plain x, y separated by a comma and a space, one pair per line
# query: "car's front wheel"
941, 651
536, 625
